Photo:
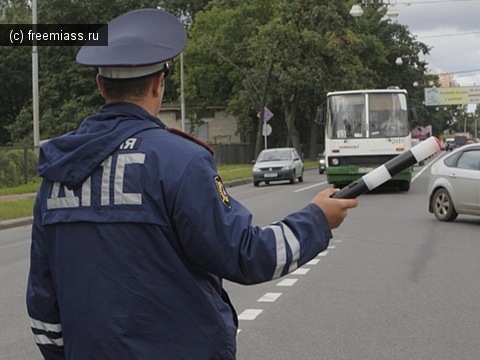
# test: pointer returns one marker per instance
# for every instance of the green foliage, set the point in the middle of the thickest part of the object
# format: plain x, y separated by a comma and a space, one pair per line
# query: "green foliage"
16, 166
27, 188
184, 9
67, 91
314, 47
242, 54
15, 65
16, 88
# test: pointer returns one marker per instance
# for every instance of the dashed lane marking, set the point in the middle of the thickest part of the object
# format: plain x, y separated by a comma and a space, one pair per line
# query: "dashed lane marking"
301, 271
269, 297
287, 282
250, 314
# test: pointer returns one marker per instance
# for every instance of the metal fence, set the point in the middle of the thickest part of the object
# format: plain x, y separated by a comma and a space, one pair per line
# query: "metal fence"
18, 165
234, 154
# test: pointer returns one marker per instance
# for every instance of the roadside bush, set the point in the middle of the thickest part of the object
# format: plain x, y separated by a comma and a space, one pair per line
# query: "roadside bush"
17, 166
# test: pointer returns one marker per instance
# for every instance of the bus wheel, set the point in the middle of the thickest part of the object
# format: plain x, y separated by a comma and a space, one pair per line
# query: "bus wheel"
339, 185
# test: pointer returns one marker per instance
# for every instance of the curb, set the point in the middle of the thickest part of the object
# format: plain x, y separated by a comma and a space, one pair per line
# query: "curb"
8, 224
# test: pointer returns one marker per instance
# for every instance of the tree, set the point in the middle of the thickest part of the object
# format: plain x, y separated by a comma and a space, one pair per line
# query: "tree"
67, 91
219, 61
185, 10
241, 55
15, 76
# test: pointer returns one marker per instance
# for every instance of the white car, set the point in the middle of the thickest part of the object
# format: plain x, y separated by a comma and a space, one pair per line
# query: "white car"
454, 184
278, 164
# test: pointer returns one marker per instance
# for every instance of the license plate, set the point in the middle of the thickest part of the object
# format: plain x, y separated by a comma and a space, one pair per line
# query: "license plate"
271, 175
365, 170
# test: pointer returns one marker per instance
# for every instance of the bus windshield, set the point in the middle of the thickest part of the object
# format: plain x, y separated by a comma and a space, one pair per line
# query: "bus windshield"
367, 115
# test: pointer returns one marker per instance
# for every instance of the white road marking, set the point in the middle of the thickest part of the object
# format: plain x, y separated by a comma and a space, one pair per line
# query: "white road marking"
250, 314
311, 186
287, 282
301, 271
269, 297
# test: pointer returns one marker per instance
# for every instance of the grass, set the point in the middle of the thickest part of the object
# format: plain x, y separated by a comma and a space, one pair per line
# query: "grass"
31, 187
14, 209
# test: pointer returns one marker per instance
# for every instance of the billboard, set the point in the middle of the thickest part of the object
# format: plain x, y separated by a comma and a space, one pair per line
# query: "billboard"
452, 95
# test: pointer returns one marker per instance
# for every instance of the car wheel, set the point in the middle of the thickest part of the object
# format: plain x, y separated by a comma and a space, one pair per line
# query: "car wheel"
300, 179
292, 179
255, 183
442, 206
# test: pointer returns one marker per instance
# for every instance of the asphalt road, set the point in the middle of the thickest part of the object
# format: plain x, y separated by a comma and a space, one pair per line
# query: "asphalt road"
394, 284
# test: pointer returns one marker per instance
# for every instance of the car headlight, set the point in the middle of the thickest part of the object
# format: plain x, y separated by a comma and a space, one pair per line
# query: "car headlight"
335, 161
287, 167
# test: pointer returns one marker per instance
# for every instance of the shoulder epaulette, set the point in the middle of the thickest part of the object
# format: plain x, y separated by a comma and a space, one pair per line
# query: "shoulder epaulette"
191, 138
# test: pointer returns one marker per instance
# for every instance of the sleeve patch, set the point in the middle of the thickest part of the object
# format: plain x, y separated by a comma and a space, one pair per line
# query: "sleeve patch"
222, 192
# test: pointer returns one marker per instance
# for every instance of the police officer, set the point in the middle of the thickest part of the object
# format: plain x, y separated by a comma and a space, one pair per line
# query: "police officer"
133, 229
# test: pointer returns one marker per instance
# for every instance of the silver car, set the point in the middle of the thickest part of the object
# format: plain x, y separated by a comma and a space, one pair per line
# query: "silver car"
278, 164
454, 184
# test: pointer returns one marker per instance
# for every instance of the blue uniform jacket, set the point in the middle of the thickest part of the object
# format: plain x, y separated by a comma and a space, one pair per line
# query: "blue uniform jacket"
133, 233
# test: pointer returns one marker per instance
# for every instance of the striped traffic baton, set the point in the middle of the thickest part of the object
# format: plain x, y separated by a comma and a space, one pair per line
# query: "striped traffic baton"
385, 172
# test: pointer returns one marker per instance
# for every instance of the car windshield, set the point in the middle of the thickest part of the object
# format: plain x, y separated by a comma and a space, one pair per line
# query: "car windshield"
274, 155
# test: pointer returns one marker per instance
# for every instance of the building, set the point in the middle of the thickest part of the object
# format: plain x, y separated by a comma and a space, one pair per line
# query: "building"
447, 80
212, 125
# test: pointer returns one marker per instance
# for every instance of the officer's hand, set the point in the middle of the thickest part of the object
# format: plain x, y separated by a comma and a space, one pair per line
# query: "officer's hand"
335, 210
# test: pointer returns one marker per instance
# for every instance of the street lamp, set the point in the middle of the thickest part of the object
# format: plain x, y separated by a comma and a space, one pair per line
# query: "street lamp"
477, 133
35, 100
392, 12
430, 83
356, 10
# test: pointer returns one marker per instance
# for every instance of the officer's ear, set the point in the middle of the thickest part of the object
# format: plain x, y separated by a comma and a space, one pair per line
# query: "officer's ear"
158, 84
100, 85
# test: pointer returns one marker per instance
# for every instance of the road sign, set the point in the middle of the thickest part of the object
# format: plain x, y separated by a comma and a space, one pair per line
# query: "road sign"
267, 129
267, 114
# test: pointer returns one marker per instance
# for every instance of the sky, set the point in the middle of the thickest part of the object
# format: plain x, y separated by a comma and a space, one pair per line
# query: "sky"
452, 29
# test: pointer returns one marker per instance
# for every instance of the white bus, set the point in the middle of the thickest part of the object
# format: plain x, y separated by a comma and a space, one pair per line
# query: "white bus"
364, 129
